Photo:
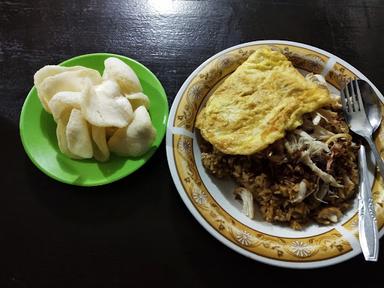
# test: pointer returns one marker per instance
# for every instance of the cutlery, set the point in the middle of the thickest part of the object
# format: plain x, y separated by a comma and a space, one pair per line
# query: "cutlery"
357, 118
359, 123
372, 107
368, 234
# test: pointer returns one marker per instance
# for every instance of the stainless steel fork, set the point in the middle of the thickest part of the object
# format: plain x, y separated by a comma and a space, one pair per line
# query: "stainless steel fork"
356, 117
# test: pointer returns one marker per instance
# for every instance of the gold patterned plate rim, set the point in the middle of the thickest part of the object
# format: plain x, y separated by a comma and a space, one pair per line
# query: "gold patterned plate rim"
315, 247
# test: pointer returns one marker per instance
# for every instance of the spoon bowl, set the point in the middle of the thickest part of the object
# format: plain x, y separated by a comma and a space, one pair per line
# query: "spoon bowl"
372, 104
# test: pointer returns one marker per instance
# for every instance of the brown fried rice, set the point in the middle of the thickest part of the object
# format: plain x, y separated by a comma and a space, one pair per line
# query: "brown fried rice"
310, 174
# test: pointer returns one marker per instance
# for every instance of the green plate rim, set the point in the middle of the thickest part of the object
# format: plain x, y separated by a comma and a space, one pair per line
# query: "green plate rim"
106, 180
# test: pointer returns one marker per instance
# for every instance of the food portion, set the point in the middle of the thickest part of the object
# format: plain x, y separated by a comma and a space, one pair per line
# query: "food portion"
293, 164
137, 138
262, 99
97, 114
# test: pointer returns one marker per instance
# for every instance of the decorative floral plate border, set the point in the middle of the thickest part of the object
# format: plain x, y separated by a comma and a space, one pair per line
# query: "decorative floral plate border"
338, 243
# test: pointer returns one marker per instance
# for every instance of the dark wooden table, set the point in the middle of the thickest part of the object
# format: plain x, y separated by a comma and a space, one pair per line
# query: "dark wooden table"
137, 231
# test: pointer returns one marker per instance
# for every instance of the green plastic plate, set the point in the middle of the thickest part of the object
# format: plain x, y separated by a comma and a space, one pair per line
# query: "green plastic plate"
38, 131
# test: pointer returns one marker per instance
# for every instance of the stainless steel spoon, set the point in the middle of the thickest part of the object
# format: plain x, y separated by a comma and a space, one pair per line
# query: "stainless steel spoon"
372, 107
372, 104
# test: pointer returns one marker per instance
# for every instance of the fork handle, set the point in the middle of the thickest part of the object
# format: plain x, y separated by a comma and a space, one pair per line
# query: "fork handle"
376, 153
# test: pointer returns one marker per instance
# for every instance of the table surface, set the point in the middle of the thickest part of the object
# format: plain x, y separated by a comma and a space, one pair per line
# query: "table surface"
137, 231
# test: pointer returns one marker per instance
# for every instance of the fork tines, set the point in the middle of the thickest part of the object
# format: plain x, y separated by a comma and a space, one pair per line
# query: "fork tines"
351, 98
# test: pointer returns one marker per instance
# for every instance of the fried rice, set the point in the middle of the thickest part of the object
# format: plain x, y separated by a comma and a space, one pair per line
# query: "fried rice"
310, 174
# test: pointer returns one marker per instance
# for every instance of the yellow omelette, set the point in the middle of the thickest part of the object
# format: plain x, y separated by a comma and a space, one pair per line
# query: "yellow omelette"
258, 103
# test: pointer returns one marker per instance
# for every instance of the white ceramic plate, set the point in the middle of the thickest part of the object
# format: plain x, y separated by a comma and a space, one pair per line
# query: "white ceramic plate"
211, 200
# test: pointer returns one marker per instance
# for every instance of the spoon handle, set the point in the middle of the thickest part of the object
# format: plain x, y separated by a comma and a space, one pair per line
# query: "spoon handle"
376, 153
